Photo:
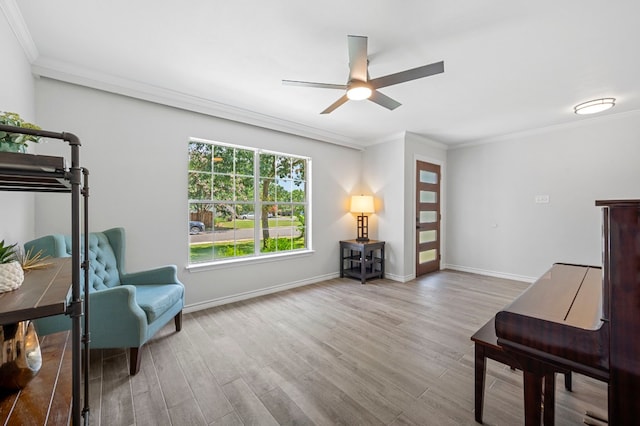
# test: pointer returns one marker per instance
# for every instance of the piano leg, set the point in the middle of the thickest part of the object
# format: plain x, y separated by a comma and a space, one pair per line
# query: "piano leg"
567, 380
549, 399
532, 398
533, 406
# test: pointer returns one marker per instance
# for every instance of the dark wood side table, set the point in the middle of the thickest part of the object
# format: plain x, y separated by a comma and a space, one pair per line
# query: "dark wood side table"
362, 260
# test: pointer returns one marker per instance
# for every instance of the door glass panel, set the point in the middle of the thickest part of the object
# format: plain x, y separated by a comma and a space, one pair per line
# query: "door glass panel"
428, 236
428, 216
428, 256
428, 197
428, 177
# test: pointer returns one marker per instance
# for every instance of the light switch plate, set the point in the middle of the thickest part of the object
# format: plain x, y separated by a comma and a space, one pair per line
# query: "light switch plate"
541, 199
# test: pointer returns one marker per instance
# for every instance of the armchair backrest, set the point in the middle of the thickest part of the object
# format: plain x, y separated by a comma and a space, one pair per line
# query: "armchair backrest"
106, 255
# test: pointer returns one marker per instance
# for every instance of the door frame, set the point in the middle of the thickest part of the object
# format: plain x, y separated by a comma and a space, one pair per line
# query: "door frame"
443, 216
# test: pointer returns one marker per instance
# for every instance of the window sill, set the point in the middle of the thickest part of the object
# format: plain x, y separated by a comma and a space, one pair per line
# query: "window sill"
231, 263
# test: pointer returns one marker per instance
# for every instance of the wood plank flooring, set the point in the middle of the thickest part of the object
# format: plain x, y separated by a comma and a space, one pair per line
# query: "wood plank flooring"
337, 352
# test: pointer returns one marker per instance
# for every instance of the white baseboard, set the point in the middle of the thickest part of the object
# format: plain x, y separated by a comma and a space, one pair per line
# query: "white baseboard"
399, 278
255, 293
490, 273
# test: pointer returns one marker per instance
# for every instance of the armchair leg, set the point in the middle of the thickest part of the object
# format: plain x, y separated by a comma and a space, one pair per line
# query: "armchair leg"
178, 320
134, 361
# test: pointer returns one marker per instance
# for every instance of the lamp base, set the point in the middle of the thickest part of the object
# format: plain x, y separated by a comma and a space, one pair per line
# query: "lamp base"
363, 229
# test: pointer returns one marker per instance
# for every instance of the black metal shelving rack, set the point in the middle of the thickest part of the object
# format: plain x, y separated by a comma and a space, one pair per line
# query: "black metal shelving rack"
40, 173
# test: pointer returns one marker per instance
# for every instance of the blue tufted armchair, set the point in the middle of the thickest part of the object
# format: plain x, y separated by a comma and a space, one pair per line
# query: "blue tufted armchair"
126, 309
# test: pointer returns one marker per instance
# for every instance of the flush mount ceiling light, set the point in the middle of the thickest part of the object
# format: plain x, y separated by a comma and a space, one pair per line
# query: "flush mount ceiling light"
594, 106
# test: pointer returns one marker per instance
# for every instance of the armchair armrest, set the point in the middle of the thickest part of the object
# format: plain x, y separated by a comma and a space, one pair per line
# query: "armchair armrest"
162, 275
116, 316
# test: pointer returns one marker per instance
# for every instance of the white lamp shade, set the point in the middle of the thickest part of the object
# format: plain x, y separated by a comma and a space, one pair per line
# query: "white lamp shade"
362, 204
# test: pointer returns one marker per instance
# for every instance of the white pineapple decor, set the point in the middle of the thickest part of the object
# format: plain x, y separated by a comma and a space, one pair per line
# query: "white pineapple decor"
11, 273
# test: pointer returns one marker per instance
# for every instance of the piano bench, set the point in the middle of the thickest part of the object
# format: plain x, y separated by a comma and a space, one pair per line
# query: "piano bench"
486, 346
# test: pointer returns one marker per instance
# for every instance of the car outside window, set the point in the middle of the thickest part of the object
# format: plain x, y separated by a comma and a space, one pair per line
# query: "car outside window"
245, 202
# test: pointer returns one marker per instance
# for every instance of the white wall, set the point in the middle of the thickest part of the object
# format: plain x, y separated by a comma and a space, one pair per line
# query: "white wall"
136, 153
16, 95
383, 177
493, 224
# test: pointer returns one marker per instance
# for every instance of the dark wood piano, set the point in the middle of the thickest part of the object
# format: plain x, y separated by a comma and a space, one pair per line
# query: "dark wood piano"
585, 319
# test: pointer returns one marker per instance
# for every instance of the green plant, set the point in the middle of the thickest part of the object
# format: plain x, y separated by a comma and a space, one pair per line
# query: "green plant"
16, 141
7, 253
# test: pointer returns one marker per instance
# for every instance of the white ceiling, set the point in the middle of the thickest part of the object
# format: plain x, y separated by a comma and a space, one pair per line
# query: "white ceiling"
510, 66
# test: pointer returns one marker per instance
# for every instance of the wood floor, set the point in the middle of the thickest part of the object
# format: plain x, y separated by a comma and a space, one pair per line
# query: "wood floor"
338, 352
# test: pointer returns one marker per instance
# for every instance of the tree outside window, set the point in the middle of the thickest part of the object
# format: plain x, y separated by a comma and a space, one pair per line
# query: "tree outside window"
250, 202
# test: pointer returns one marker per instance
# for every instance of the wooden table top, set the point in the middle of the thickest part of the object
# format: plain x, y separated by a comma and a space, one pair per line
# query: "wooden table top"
44, 292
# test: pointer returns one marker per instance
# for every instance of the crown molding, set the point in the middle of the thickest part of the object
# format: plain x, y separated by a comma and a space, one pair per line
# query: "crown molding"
43, 67
553, 128
14, 17
19, 27
404, 135
393, 137
426, 141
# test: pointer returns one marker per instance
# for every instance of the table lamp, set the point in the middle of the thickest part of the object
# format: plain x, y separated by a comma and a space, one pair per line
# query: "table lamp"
362, 204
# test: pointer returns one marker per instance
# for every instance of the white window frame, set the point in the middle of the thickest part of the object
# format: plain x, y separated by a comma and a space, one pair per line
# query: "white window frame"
258, 256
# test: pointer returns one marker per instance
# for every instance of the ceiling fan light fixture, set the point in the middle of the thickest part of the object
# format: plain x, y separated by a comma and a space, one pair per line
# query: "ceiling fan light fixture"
359, 91
594, 106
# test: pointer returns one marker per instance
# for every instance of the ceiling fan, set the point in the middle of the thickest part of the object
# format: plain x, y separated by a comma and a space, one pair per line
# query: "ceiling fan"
360, 87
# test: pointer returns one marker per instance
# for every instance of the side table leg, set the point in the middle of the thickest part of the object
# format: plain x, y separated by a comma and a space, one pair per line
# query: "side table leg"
363, 266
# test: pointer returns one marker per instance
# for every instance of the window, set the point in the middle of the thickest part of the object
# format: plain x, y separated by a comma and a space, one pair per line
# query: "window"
245, 202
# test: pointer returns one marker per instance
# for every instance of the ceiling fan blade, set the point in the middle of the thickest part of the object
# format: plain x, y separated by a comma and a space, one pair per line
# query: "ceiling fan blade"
384, 100
335, 105
318, 85
357, 58
408, 75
